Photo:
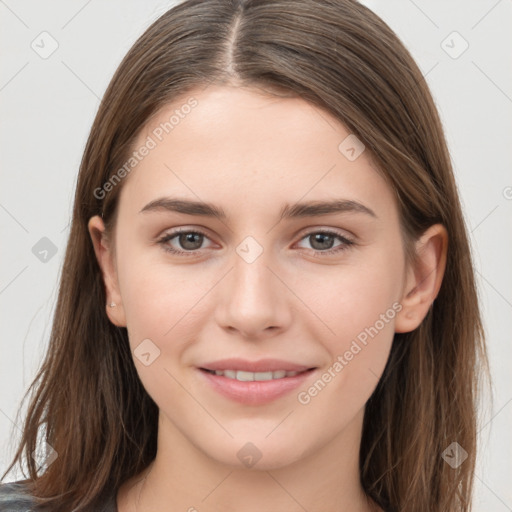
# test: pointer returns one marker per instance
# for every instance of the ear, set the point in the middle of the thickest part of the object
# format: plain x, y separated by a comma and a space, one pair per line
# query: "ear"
105, 257
423, 278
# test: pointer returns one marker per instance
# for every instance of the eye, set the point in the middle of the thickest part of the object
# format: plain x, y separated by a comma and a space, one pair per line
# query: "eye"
322, 242
190, 242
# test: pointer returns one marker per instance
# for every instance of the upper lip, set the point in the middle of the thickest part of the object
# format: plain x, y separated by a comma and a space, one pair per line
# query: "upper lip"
263, 365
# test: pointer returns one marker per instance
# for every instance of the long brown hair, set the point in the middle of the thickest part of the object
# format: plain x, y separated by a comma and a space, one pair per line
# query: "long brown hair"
88, 402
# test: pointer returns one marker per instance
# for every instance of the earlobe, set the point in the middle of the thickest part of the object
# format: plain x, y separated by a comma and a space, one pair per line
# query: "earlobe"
104, 257
424, 278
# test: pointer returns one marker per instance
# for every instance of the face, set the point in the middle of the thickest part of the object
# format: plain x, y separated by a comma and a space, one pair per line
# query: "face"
256, 293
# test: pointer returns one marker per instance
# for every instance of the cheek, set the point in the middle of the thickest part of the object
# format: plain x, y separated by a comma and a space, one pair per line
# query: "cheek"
164, 303
358, 353
359, 305
161, 307
354, 298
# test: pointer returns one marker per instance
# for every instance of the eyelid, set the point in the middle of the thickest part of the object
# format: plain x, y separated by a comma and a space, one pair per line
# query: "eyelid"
348, 239
177, 231
300, 233
343, 233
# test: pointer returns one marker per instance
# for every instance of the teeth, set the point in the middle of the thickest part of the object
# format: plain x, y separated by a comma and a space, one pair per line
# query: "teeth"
244, 376
263, 376
251, 376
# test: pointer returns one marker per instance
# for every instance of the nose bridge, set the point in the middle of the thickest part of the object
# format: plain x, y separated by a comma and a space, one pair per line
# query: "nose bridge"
252, 298
252, 283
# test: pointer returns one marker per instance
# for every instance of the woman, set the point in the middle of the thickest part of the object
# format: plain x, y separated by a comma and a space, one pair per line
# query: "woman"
268, 300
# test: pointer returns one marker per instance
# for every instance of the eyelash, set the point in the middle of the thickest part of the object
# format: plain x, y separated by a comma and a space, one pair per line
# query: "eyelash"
346, 243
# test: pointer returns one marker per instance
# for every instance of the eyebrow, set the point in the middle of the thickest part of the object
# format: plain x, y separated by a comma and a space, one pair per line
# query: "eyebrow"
297, 210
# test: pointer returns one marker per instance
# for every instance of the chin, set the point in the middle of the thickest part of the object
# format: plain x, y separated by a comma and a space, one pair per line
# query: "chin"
257, 455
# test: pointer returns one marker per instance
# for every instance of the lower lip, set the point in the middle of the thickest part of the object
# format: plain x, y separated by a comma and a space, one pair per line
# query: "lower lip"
255, 392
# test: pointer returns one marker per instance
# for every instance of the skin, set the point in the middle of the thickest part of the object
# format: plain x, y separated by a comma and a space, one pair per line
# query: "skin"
251, 153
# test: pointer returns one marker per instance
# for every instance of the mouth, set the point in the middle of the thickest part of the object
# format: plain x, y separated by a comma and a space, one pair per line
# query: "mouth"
245, 376
255, 383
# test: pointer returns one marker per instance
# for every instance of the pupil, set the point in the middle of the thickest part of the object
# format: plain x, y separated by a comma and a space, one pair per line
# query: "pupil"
321, 237
190, 238
323, 240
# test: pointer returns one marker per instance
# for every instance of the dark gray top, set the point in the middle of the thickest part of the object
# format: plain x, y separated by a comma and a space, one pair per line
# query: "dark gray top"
14, 497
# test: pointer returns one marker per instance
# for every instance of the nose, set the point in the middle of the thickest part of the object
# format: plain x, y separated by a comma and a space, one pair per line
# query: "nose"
253, 299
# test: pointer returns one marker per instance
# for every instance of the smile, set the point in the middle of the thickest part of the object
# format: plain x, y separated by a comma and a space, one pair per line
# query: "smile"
253, 376
255, 388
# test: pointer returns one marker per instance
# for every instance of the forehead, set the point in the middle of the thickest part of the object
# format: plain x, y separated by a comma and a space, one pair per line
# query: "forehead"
251, 150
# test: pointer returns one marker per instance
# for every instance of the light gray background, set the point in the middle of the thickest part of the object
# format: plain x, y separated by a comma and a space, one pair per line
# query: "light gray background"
47, 107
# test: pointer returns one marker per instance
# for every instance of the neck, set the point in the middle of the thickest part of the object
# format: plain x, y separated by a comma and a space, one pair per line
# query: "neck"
183, 478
